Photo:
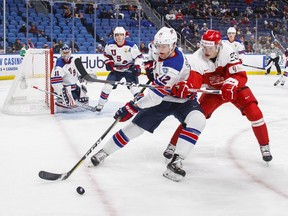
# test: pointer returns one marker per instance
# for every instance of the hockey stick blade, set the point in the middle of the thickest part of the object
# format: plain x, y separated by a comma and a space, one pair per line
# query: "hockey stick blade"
78, 104
52, 176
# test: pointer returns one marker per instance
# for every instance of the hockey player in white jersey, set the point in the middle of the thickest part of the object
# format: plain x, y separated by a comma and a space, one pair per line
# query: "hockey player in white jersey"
235, 43
65, 78
123, 60
170, 68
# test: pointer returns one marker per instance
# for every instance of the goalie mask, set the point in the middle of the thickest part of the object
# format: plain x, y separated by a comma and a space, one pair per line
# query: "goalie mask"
165, 37
65, 52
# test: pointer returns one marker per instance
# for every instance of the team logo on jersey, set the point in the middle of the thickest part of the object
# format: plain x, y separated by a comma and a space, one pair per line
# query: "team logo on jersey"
165, 70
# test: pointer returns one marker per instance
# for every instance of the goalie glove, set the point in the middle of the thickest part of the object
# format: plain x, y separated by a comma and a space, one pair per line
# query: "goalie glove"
67, 97
229, 88
109, 65
126, 112
181, 90
135, 70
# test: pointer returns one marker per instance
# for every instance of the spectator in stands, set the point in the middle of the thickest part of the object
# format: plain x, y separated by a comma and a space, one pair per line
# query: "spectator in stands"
99, 48
143, 48
43, 34
89, 9
67, 13
23, 29
34, 30
76, 47
30, 44
45, 46
179, 15
204, 28
17, 45
147, 23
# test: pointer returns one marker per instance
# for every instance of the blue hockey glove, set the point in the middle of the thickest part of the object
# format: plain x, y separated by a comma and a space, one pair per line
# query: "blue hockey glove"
135, 70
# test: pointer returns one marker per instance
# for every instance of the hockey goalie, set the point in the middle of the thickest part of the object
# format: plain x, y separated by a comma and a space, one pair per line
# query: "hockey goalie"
65, 79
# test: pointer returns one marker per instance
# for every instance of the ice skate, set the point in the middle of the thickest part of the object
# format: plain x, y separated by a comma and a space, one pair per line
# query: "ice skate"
98, 158
174, 169
277, 82
99, 108
282, 83
169, 151
266, 154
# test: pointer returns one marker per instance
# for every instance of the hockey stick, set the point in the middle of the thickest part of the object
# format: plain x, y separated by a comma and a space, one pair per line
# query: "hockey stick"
54, 176
78, 104
252, 66
275, 39
91, 79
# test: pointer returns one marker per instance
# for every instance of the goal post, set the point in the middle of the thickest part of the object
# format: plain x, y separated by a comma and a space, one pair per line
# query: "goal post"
22, 98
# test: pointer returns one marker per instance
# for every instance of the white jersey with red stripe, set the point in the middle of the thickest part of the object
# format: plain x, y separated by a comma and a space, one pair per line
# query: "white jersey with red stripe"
167, 73
64, 74
215, 71
236, 45
123, 56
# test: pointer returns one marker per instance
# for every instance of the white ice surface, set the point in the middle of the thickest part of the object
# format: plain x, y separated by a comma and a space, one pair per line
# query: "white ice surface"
225, 173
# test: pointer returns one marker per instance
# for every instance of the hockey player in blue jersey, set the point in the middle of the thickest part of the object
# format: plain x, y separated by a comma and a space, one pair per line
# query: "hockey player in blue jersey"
123, 60
65, 78
170, 68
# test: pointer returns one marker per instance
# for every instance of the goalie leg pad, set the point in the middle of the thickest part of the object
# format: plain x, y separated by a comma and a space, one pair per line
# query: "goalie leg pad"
67, 97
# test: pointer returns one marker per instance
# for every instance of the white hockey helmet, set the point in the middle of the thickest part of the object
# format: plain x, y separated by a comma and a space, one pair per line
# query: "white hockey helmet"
231, 30
65, 52
166, 36
119, 30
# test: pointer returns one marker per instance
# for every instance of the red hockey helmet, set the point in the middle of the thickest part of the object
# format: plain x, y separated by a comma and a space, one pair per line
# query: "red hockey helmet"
211, 38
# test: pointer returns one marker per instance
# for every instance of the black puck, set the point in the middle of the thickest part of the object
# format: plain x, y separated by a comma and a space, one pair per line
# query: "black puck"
80, 190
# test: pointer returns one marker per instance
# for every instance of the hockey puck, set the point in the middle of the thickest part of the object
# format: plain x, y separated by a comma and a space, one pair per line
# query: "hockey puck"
80, 190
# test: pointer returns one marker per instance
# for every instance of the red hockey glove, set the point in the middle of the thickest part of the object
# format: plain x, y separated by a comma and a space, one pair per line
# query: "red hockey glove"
149, 70
126, 112
135, 69
181, 90
109, 65
229, 89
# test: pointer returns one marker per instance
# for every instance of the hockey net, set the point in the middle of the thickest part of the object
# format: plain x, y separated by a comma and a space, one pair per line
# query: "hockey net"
34, 70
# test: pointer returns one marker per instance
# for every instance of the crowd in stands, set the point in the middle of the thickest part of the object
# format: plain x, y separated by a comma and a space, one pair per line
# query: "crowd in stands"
253, 19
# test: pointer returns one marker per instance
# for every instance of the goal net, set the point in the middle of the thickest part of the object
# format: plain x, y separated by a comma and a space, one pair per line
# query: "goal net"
34, 70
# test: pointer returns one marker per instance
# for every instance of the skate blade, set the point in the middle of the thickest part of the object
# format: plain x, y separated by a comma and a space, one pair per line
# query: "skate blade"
172, 176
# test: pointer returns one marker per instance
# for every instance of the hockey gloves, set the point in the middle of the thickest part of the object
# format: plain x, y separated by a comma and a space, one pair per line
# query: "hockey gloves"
126, 112
67, 97
229, 89
109, 65
135, 70
149, 70
181, 90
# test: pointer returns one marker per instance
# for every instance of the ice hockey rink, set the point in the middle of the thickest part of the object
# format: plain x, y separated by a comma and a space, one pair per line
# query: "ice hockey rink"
225, 174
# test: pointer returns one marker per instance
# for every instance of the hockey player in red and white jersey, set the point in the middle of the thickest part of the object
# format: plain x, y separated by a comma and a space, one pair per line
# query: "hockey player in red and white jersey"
234, 42
282, 79
123, 60
222, 69
65, 78
171, 67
